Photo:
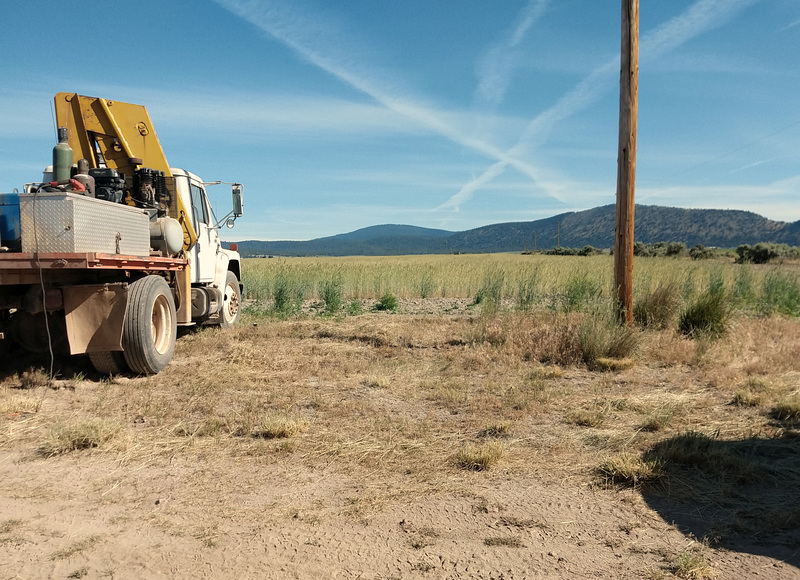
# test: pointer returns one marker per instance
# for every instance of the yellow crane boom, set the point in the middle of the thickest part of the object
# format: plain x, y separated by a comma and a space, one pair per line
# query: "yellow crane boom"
122, 136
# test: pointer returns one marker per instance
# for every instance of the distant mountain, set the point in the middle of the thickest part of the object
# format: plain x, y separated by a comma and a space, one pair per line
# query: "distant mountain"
593, 227
390, 231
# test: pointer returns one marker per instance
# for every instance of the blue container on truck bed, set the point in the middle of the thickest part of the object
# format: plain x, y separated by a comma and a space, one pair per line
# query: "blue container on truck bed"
10, 233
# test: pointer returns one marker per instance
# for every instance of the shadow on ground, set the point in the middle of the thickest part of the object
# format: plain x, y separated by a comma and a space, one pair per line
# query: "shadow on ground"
15, 360
738, 495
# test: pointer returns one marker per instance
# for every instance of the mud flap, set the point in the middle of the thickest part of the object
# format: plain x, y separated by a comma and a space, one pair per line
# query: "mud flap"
95, 316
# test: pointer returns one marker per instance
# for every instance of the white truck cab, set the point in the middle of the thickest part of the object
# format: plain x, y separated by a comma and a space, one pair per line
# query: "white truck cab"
215, 271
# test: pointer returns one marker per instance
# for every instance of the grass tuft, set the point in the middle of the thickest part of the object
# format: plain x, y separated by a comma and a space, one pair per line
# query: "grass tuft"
34, 378
754, 392
708, 315
692, 565
630, 470
77, 435
501, 429
658, 308
788, 409
279, 427
480, 457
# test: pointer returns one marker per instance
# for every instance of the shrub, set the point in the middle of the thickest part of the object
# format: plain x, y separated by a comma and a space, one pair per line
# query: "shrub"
676, 249
331, 292
758, 254
708, 315
288, 297
700, 252
658, 307
387, 303
601, 336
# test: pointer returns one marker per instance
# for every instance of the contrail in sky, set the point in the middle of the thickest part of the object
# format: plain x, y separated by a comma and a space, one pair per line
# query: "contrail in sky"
701, 17
497, 65
320, 45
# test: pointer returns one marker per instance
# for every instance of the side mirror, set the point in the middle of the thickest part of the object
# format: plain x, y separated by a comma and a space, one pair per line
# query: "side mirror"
236, 193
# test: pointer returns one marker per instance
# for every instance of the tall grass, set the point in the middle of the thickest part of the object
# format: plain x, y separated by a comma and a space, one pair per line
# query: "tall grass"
662, 287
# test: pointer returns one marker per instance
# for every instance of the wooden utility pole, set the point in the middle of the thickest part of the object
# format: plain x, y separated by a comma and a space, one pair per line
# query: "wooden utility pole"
626, 160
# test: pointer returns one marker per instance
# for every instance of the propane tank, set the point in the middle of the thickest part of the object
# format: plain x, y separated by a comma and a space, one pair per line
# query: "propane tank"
62, 156
166, 236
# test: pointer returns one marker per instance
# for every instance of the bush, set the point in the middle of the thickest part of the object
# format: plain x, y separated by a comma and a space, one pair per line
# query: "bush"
708, 315
601, 336
676, 249
564, 251
762, 253
288, 297
332, 296
658, 307
700, 252
387, 303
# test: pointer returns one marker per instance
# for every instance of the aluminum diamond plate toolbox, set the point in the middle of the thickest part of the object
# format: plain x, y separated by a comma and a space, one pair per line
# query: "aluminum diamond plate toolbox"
67, 222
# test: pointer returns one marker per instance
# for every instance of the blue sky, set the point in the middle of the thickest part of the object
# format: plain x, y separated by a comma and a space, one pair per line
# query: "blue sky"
443, 114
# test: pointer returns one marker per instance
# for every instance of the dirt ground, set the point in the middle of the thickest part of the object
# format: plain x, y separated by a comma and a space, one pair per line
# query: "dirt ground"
149, 504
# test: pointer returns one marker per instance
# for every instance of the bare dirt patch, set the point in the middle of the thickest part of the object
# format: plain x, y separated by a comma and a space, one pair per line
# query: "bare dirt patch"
330, 448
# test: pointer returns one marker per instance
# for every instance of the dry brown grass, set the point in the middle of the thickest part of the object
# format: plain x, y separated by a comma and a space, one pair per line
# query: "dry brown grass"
413, 405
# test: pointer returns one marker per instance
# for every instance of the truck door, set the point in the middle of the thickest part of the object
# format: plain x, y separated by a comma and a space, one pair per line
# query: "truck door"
205, 250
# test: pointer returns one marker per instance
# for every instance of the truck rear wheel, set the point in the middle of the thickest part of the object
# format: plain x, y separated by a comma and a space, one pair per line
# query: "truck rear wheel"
231, 301
109, 363
150, 329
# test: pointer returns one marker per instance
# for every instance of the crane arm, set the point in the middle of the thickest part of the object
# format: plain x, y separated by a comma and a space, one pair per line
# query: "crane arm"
122, 136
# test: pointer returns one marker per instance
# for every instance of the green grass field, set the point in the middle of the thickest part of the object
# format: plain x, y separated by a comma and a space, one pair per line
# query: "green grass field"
522, 280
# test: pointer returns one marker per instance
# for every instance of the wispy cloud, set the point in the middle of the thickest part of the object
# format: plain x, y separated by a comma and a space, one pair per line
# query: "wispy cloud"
790, 25
497, 65
327, 48
701, 17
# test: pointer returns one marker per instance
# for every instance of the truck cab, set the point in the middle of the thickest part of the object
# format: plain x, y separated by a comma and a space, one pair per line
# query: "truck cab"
212, 267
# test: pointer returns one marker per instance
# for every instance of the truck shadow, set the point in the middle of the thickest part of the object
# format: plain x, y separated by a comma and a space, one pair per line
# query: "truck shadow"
737, 495
15, 360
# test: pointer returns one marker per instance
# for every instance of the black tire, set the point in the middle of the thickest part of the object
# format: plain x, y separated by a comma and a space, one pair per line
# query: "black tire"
231, 301
150, 329
109, 362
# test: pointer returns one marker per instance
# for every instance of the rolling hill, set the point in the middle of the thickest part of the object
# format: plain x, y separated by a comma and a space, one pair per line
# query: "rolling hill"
593, 227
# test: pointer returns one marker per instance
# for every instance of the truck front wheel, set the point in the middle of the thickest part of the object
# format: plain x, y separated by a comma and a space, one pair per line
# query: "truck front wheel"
231, 301
150, 329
